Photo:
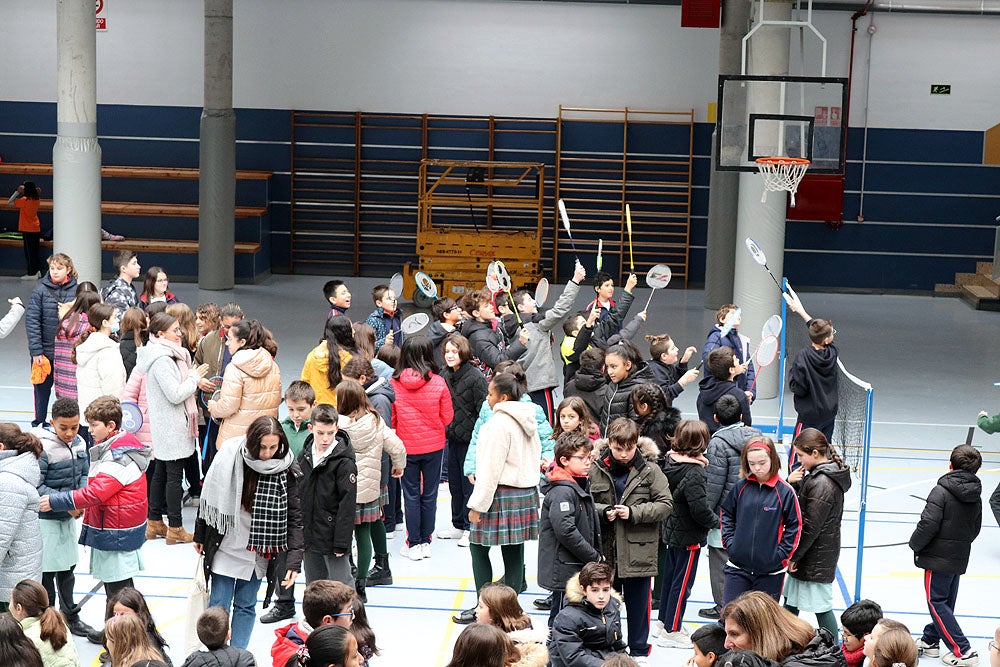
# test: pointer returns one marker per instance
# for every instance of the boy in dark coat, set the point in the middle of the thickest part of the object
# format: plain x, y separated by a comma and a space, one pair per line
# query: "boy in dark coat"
488, 344
721, 475
590, 381
723, 367
589, 627
685, 530
569, 530
214, 633
813, 375
329, 492
941, 544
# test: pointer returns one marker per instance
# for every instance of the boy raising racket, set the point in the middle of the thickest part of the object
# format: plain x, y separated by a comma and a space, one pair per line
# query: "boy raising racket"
813, 375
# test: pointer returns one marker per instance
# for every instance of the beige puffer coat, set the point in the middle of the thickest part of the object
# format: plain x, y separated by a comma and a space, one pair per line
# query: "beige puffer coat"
251, 388
369, 436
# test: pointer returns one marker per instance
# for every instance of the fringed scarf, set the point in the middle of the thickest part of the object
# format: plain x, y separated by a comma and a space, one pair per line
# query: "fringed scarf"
223, 491
182, 358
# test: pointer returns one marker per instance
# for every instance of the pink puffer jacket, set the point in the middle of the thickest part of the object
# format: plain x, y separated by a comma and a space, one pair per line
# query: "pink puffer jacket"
422, 410
135, 392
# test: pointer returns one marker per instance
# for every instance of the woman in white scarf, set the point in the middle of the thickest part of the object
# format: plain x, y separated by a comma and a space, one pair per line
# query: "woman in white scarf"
171, 383
249, 513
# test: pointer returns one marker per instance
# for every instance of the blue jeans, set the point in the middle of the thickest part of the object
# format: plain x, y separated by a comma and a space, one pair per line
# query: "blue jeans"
421, 477
239, 595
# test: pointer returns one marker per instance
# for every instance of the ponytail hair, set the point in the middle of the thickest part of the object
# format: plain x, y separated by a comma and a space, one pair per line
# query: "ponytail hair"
97, 315
14, 439
812, 440
35, 602
326, 645
508, 384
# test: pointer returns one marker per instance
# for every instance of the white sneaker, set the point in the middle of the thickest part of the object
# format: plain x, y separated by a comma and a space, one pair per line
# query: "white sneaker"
927, 649
413, 554
678, 639
450, 534
657, 630
425, 550
31, 276
464, 540
390, 534
641, 660
969, 659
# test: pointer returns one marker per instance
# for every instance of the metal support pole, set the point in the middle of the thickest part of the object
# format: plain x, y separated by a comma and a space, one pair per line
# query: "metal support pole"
76, 155
217, 154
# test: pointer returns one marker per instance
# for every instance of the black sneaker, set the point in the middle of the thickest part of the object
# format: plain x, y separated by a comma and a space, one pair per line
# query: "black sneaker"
543, 603
79, 628
277, 614
712, 613
466, 617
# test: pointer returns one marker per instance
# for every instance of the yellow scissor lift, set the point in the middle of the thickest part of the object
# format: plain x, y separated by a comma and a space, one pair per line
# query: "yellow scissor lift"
470, 213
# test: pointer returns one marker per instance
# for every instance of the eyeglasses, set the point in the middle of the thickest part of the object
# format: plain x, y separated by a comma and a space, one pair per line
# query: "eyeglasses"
993, 646
455, 308
584, 457
349, 613
844, 633
833, 333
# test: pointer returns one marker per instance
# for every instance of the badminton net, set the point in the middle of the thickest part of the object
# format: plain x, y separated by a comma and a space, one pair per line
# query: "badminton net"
852, 427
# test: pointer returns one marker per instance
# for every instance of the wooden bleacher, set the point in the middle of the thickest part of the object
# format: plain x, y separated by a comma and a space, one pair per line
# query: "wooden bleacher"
107, 171
165, 210
148, 245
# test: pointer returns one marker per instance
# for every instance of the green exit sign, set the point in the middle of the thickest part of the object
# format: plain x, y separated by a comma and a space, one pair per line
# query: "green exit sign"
940, 89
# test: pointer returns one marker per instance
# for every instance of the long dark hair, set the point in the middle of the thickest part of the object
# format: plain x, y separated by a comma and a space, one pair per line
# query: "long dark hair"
338, 333
16, 650
416, 354
326, 645
260, 427
30, 190
133, 599
32, 597
255, 335
84, 300
135, 321
149, 282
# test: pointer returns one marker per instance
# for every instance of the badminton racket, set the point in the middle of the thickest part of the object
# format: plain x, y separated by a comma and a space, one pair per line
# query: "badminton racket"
767, 349
759, 257
727, 324
396, 284
600, 254
628, 226
541, 292
213, 395
426, 285
657, 277
414, 323
503, 283
131, 416
565, 220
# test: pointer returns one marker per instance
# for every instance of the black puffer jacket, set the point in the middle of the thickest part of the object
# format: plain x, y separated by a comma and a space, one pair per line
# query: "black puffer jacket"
617, 401
569, 534
723, 455
691, 518
485, 344
468, 390
821, 651
590, 386
329, 492
821, 499
813, 381
949, 523
41, 317
227, 656
582, 635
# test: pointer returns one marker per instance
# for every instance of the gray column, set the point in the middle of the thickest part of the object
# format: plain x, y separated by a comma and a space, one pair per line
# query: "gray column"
217, 153
723, 193
753, 289
76, 155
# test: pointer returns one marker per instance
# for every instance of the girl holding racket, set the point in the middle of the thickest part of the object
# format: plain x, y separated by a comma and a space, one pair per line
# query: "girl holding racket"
813, 375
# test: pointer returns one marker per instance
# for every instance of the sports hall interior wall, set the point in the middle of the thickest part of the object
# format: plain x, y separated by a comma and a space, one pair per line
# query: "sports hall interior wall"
916, 171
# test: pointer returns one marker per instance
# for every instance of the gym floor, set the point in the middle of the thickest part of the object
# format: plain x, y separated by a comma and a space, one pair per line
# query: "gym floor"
923, 355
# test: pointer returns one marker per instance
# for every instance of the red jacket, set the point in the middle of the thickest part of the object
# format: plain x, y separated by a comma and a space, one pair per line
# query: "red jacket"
422, 410
288, 640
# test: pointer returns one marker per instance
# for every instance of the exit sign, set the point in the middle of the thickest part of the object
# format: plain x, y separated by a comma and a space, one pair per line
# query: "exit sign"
940, 89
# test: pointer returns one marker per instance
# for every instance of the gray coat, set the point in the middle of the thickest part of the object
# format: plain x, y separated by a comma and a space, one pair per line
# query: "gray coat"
20, 535
538, 362
723, 455
166, 392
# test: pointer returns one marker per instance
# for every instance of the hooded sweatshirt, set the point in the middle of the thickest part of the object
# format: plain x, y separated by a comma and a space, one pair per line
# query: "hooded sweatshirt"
421, 412
251, 388
508, 452
813, 381
100, 370
711, 390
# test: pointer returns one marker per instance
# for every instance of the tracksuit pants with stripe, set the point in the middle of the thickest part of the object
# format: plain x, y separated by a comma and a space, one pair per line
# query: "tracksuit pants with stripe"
680, 565
942, 592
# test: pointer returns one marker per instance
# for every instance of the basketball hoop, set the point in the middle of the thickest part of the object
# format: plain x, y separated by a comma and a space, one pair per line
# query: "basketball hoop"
781, 173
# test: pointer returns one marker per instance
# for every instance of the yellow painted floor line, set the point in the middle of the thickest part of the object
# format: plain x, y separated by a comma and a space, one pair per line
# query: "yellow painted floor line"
444, 652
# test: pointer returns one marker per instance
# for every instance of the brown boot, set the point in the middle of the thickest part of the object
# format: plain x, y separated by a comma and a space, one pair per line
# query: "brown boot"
178, 534
155, 529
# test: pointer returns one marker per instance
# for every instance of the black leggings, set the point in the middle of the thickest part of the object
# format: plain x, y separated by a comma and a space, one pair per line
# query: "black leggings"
65, 581
165, 494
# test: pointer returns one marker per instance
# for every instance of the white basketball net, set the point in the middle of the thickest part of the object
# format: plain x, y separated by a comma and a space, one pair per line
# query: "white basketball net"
781, 173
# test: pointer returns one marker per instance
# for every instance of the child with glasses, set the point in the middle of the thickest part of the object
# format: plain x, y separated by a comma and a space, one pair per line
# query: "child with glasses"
324, 602
857, 623
569, 530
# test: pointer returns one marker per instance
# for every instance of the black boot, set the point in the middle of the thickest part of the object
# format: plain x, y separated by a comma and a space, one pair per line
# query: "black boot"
380, 575
359, 588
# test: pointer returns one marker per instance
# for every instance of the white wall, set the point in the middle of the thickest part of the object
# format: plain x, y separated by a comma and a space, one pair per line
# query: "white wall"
489, 57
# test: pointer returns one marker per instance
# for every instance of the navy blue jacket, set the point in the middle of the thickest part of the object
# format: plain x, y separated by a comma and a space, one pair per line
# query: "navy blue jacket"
761, 524
731, 340
63, 467
41, 318
711, 390
667, 376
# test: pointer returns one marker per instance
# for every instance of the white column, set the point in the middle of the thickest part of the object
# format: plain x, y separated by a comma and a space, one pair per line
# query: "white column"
753, 289
76, 156
217, 154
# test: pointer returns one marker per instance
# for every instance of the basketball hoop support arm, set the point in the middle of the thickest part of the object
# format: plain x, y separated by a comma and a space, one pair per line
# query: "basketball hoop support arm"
760, 22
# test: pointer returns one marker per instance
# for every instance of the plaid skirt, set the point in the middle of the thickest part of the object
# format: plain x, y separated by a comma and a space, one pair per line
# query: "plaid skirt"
371, 511
511, 519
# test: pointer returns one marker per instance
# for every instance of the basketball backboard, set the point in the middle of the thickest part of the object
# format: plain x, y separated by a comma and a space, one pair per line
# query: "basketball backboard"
793, 116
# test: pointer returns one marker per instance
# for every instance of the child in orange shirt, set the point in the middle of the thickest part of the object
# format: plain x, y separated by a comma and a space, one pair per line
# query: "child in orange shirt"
27, 197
